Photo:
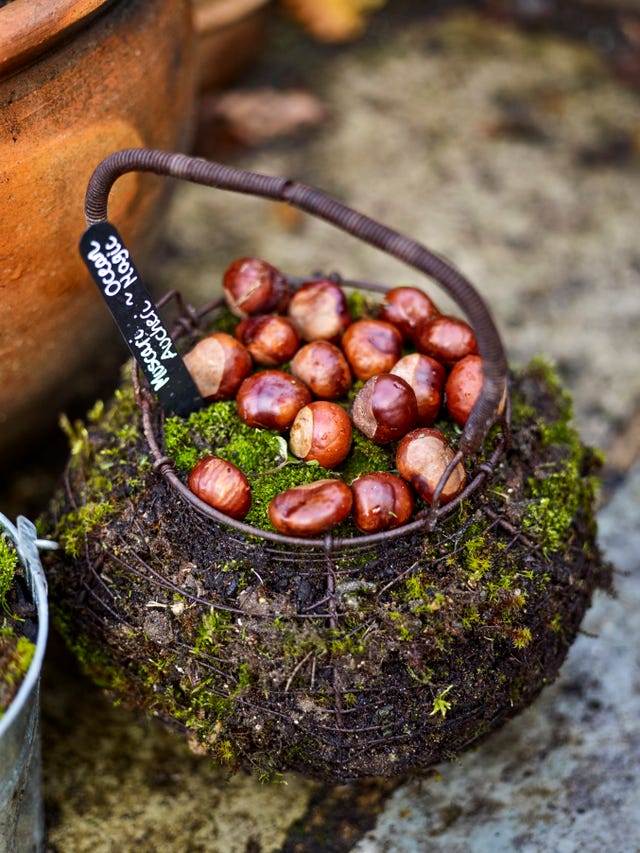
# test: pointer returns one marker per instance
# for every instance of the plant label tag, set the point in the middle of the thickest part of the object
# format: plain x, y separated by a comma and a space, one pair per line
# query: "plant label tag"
119, 282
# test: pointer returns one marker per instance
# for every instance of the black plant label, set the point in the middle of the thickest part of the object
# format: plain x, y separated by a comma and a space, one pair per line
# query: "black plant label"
137, 318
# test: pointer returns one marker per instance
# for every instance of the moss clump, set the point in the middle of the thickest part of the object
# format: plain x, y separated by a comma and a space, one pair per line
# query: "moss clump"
16, 650
337, 664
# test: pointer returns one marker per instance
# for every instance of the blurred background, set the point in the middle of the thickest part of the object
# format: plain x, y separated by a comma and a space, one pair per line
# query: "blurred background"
504, 135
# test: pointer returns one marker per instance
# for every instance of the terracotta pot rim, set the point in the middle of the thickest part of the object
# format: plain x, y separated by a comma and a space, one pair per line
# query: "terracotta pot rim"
29, 28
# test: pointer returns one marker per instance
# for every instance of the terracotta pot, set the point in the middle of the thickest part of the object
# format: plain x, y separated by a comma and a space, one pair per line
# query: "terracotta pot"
230, 33
78, 80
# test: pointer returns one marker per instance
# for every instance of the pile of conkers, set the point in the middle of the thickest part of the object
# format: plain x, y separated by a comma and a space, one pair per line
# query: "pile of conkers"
413, 362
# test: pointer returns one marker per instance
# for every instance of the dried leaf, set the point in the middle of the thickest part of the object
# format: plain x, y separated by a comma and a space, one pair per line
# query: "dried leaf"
332, 20
259, 115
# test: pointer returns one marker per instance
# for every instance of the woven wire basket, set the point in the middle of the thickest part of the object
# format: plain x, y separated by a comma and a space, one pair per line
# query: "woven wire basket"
338, 656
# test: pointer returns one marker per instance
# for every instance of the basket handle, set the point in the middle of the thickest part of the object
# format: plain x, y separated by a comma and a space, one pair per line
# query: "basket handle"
491, 402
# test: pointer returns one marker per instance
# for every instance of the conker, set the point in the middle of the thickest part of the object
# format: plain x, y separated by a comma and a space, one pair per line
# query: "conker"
321, 432
319, 311
222, 485
271, 399
407, 308
385, 408
381, 501
446, 338
252, 286
426, 376
270, 338
371, 347
421, 460
218, 364
322, 366
463, 388
311, 508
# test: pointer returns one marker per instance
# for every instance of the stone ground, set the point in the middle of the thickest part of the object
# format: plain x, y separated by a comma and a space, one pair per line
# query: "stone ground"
515, 153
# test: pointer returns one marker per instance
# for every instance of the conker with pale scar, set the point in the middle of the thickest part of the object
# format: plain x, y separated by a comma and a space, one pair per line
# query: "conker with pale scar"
271, 399
321, 432
371, 347
253, 286
463, 388
270, 338
311, 508
322, 366
381, 501
319, 311
426, 376
446, 338
222, 485
422, 458
385, 408
407, 308
218, 364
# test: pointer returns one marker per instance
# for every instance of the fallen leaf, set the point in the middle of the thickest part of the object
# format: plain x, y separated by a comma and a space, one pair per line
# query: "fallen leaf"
254, 117
332, 20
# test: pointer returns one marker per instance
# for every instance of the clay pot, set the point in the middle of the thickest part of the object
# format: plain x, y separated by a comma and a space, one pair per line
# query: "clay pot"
79, 79
230, 33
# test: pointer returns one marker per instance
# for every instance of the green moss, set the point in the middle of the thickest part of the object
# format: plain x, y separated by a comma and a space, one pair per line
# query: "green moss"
365, 457
8, 566
16, 654
80, 522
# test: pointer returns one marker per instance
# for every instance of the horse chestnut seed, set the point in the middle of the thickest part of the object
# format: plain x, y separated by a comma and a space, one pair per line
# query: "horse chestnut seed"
222, 485
271, 399
446, 338
371, 347
421, 460
322, 366
252, 286
319, 311
381, 501
321, 432
385, 408
218, 364
407, 308
270, 338
463, 388
311, 508
426, 376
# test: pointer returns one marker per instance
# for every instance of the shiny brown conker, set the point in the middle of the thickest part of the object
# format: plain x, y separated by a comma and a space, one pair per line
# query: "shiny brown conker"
381, 501
311, 508
253, 286
218, 364
321, 432
426, 376
446, 338
270, 338
222, 485
385, 408
463, 388
322, 366
271, 399
371, 347
421, 460
319, 310
407, 308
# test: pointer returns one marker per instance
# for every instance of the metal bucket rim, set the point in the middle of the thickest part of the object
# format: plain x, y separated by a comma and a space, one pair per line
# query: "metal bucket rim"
24, 539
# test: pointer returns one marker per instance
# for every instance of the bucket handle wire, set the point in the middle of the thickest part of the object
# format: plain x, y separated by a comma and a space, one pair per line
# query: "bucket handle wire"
492, 402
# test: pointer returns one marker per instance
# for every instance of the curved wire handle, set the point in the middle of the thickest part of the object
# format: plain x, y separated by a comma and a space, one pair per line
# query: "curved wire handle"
492, 399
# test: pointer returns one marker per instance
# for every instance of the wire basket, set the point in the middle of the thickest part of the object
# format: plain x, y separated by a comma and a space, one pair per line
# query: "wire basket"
339, 657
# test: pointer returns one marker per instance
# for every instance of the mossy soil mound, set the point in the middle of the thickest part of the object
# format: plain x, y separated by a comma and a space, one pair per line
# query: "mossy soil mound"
361, 662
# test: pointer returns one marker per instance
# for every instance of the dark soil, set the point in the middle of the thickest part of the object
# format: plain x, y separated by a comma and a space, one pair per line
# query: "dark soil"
339, 665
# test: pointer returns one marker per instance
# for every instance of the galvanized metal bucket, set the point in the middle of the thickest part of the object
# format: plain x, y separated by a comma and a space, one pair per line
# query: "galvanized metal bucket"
21, 805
